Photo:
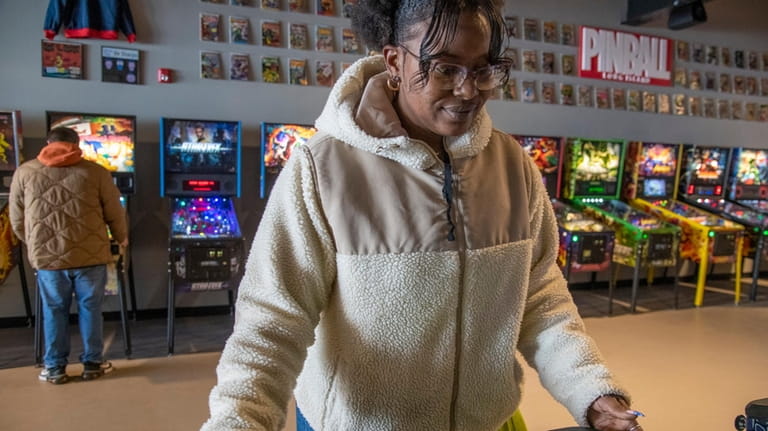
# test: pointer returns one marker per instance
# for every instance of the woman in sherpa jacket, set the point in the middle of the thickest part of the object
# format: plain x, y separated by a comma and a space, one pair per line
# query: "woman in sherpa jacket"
407, 253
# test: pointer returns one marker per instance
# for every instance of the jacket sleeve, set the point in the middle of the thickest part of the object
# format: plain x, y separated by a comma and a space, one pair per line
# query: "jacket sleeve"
114, 213
125, 21
16, 205
288, 279
55, 16
553, 338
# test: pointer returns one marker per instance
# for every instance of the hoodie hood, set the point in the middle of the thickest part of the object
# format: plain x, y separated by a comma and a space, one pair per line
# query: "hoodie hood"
60, 153
359, 112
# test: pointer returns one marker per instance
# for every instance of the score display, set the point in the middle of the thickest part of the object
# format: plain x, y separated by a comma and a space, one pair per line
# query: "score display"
593, 168
201, 185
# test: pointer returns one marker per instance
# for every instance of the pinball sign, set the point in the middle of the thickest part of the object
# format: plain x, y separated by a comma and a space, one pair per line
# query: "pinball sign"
625, 57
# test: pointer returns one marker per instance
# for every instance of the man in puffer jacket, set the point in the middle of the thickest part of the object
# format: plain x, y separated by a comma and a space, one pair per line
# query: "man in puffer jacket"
60, 206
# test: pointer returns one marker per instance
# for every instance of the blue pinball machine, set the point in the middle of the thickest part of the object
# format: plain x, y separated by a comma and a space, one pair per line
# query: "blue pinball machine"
200, 173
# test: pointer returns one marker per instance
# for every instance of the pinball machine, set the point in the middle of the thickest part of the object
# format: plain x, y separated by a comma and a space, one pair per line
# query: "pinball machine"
586, 244
278, 140
200, 173
706, 238
593, 170
109, 141
11, 144
736, 198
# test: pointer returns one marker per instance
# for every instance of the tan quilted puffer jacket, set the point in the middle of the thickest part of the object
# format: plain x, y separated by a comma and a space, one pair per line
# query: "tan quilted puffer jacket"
62, 214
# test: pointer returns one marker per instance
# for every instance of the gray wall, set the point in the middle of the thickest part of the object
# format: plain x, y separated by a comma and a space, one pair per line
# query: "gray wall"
168, 37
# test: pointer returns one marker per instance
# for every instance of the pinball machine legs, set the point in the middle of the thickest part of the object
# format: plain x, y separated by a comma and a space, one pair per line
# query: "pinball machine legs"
756, 267
25, 289
701, 279
739, 268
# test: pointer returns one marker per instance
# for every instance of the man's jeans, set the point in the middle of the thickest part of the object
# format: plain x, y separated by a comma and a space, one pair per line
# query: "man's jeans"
56, 288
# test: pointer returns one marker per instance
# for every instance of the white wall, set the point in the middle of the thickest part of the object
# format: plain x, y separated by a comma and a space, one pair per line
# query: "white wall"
168, 37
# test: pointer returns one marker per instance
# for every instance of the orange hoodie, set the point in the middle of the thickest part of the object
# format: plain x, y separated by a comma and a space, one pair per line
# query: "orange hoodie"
60, 153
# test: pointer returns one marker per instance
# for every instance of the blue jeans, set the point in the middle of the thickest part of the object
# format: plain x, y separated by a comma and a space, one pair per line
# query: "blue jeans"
56, 288
301, 422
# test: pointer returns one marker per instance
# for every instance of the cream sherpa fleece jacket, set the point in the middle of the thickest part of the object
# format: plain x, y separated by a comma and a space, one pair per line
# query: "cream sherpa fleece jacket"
355, 298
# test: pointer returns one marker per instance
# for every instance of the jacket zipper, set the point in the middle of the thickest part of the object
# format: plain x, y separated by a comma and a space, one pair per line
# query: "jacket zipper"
449, 190
448, 196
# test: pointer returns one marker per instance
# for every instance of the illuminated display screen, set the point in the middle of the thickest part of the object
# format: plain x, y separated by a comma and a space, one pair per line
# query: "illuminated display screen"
596, 167
8, 139
544, 151
200, 146
278, 141
201, 185
654, 187
751, 167
108, 140
658, 160
704, 166
204, 217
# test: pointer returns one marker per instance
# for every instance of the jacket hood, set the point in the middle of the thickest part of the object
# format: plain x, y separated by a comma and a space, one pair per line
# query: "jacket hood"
359, 112
60, 153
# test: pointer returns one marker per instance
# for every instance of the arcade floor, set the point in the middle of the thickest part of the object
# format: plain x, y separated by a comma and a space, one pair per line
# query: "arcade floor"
688, 369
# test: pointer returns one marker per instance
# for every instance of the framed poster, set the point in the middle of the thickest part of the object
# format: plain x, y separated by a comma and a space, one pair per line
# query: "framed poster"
120, 65
210, 65
239, 67
239, 29
62, 59
209, 26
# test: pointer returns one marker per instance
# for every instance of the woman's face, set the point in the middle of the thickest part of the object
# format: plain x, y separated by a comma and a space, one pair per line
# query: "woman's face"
429, 112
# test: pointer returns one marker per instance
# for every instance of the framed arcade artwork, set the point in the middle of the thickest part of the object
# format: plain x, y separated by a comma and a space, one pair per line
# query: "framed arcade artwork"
62, 59
120, 65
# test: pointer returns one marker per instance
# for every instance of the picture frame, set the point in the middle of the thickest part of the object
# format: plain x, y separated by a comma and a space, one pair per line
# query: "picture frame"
62, 59
239, 29
120, 65
566, 94
210, 65
325, 73
239, 67
210, 27
270, 70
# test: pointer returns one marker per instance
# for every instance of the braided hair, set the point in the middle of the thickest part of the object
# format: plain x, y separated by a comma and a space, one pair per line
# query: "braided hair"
392, 22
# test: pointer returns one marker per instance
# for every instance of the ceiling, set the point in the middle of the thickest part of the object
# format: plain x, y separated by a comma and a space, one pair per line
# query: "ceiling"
729, 16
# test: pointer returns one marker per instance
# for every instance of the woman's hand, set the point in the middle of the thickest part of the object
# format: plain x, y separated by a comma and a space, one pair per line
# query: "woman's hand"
612, 413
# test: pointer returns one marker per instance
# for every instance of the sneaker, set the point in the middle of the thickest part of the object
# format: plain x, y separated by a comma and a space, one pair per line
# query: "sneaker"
94, 370
56, 375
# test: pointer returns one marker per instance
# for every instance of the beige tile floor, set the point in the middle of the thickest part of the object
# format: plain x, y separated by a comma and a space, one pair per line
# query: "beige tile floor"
689, 369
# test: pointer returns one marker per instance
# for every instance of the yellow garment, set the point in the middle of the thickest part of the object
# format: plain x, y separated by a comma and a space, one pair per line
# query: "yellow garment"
515, 423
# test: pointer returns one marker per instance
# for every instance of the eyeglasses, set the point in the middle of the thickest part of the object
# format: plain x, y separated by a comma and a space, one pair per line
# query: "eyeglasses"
448, 76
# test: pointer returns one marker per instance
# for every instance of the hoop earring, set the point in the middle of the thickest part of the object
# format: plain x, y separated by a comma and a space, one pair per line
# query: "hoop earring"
393, 83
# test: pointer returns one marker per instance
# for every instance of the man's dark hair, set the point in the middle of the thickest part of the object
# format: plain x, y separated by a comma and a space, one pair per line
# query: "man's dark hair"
391, 22
63, 134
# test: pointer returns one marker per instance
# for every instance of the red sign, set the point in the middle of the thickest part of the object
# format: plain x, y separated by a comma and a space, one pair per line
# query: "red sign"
625, 57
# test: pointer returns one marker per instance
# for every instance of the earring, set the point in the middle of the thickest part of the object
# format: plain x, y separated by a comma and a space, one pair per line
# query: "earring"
393, 83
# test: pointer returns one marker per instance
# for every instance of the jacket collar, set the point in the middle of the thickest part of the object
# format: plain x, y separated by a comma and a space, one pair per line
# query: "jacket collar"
359, 112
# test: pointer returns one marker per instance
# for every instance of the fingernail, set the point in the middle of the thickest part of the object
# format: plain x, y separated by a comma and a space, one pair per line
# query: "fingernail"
636, 413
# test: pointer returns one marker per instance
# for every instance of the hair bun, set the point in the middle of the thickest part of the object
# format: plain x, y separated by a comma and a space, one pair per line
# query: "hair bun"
374, 21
